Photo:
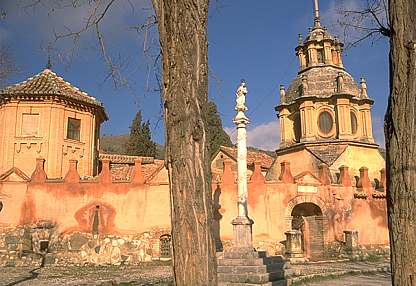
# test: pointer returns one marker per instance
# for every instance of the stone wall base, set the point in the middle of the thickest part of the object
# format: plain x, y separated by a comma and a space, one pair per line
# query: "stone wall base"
243, 267
23, 246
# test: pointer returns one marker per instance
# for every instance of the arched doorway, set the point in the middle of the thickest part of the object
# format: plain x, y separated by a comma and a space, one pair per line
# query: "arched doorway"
308, 218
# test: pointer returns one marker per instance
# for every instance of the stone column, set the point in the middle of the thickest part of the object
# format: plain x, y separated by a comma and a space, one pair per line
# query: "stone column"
307, 119
344, 119
242, 223
294, 244
367, 130
351, 240
285, 136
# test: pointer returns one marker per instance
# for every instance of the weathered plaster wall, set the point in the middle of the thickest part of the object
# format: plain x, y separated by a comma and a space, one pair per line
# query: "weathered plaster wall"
127, 209
344, 207
50, 141
355, 157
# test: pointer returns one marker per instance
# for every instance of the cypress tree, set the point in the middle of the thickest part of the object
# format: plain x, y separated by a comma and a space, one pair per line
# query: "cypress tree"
216, 135
140, 141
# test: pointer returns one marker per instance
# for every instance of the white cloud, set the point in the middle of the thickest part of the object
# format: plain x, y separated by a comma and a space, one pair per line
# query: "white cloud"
265, 136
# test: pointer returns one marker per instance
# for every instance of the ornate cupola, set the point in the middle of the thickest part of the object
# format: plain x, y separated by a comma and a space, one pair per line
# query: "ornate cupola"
323, 103
324, 112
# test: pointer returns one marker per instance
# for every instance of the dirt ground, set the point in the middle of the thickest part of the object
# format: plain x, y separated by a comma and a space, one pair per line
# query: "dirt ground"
87, 275
160, 274
379, 279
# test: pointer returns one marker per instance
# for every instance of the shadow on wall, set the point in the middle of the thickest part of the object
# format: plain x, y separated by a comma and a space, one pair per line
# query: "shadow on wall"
217, 218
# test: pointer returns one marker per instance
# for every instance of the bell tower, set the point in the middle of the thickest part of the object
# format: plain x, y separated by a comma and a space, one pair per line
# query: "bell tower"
324, 111
323, 103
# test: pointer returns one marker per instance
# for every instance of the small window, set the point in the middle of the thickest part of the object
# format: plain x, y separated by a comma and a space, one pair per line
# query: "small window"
320, 55
74, 127
30, 124
325, 122
354, 123
43, 245
297, 129
165, 246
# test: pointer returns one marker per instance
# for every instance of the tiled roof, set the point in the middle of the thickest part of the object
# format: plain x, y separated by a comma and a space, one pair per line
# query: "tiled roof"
121, 166
123, 172
321, 81
124, 159
252, 156
327, 153
48, 83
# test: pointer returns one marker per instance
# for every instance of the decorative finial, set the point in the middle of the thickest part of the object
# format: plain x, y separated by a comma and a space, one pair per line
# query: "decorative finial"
282, 93
304, 84
317, 20
300, 39
340, 82
49, 63
363, 84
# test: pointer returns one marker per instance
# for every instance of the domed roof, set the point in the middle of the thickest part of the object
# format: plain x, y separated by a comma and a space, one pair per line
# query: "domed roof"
322, 83
48, 83
319, 34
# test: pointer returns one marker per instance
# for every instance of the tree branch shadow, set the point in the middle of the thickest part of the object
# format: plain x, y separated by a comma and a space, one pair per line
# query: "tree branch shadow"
33, 274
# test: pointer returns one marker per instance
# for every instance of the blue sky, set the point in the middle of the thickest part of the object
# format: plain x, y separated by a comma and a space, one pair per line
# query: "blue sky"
251, 40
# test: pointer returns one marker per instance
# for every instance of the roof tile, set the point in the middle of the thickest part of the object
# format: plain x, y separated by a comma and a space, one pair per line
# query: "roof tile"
48, 83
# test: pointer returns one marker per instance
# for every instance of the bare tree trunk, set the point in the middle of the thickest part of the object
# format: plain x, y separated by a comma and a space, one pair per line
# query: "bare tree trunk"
183, 39
401, 142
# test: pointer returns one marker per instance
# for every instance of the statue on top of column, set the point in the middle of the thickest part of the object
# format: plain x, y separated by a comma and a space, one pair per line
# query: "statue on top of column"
241, 97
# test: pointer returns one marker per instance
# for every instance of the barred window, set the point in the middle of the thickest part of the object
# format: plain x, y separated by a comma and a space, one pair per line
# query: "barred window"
30, 124
165, 246
74, 127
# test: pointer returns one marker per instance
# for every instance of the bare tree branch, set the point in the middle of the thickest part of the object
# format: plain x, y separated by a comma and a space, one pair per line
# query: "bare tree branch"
8, 65
364, 23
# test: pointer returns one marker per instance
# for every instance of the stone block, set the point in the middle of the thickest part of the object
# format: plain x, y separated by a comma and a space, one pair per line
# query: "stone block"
50, 259
77, 240
351, 240
244, 266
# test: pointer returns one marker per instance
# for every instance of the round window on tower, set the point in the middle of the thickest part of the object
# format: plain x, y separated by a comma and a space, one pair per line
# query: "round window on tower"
354, 123
325, 123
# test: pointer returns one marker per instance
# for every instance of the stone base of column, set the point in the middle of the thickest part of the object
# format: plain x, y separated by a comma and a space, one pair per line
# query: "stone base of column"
240, 268
294, 252
243, 233
351, 241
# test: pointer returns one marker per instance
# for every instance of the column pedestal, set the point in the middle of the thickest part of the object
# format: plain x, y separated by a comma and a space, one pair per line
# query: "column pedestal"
294, 252
243, 238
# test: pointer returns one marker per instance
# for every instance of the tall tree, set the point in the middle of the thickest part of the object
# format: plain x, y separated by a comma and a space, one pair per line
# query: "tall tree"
400, 130
400, 122
183, 39
216, 135
140, 141
182, 26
